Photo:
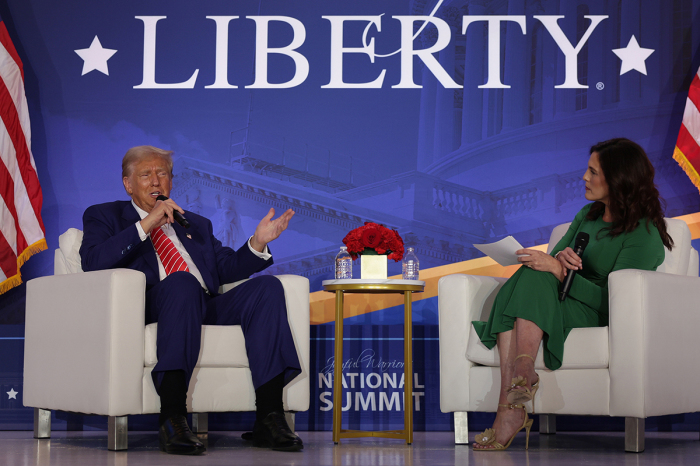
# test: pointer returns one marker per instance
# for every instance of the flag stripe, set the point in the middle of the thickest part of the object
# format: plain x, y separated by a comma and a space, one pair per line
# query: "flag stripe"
694, 91
15, 194
7, 226
10, 118
691, 117
689, 133
10, 47
8, 260
689, 146
7, 192
10, 73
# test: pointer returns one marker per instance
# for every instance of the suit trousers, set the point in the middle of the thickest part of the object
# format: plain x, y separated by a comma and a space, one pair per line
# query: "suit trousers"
181, 306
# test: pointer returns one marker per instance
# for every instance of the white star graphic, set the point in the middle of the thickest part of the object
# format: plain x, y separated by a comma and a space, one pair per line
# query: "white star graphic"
95, 57
633, 57
12, 394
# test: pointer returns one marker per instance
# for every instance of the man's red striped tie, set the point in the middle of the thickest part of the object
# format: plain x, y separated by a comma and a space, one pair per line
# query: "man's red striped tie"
169, 256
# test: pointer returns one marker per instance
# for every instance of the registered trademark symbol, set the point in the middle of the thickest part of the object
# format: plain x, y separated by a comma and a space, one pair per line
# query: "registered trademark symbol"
600, 86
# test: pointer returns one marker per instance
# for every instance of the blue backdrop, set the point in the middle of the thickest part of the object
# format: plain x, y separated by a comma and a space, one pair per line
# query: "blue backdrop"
337, 113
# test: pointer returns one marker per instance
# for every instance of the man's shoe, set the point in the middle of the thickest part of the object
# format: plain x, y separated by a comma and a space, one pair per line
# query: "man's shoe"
175, 437
274, 432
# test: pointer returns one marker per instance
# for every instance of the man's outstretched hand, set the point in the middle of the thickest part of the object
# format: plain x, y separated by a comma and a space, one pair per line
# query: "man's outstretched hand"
268, 229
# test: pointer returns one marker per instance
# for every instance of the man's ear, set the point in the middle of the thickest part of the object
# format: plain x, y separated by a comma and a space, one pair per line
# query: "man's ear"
127, 185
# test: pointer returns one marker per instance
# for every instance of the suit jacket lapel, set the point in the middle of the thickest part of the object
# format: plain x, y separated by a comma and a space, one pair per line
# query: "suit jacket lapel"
195, 252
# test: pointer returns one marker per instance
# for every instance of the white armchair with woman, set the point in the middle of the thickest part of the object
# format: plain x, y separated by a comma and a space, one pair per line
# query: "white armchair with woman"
626, 227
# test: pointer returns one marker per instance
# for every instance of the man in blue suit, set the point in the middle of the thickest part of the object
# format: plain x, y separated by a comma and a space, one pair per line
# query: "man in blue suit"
183, 274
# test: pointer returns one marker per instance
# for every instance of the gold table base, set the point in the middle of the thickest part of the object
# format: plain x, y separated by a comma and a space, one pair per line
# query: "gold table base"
381, 286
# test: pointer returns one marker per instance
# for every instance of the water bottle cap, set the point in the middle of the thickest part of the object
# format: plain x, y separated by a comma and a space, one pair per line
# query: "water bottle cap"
343, 248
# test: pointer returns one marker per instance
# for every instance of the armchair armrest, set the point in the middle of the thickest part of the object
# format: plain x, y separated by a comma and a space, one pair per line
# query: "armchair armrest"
81, 331
693, 263
461, 300
654, 343
296, 292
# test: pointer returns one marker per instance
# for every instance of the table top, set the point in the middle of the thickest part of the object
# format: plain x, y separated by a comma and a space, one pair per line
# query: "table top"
373, 285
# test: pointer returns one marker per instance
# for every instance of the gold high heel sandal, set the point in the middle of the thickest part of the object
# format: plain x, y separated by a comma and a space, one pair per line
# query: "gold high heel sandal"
518, 393
488, 437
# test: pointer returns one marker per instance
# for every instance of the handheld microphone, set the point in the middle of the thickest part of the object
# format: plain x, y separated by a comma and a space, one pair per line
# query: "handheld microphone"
579, 246
176, 215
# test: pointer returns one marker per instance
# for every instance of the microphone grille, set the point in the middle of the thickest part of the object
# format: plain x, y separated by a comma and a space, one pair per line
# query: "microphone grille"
582, 239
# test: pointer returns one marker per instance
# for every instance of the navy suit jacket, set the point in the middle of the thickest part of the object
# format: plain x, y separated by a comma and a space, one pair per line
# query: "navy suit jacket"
111, 240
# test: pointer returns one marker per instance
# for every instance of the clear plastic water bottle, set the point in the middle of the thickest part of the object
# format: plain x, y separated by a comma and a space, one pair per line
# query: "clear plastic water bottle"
410, 265
343, 264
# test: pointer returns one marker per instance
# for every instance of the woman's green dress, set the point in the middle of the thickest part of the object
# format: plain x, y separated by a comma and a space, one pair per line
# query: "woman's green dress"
534, 295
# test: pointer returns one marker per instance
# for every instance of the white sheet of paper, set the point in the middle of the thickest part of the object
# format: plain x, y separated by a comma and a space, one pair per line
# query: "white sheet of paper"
502, 251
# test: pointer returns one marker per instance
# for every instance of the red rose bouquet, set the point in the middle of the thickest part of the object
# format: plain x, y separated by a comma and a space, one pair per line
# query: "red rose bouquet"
374, 239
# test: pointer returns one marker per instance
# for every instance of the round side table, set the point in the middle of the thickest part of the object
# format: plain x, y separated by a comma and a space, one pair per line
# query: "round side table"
373, 286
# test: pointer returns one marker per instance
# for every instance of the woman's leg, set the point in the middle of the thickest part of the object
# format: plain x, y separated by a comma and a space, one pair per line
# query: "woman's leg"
507, 420
528, 337
506, 342
525, 338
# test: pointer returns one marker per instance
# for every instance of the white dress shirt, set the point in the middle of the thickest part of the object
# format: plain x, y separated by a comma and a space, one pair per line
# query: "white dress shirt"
170, 233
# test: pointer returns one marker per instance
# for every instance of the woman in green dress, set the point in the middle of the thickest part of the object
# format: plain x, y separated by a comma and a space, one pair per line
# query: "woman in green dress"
626, 227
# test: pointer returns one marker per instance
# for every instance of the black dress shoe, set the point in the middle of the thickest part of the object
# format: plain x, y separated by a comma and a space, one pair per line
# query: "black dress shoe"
274, 432
176, 437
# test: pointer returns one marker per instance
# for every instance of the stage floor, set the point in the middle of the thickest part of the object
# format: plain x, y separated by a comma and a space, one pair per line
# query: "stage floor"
429, 448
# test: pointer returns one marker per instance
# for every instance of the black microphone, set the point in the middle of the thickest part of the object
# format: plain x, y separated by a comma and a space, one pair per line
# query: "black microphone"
176, 215
579, 246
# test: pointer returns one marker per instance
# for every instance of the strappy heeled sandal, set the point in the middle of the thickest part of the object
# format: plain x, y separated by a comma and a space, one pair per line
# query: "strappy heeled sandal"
518, 393
488, 437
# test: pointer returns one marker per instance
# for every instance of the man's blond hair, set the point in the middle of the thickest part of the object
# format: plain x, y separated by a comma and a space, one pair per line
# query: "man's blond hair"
138, 153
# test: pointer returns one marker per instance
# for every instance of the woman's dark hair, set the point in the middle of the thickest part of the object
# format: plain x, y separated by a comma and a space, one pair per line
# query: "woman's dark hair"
632, 193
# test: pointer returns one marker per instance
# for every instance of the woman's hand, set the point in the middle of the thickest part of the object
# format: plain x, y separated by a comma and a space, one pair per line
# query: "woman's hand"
569, 260
542, 262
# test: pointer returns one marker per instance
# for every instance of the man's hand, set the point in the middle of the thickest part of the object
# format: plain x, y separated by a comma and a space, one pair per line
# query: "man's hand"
161, 214
268, 229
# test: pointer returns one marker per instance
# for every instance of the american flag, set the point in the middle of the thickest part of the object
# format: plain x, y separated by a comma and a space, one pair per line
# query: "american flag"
687, 151
22, 231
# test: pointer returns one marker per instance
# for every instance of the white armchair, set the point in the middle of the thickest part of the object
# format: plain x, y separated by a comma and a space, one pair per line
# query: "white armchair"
87, 349
644, 364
